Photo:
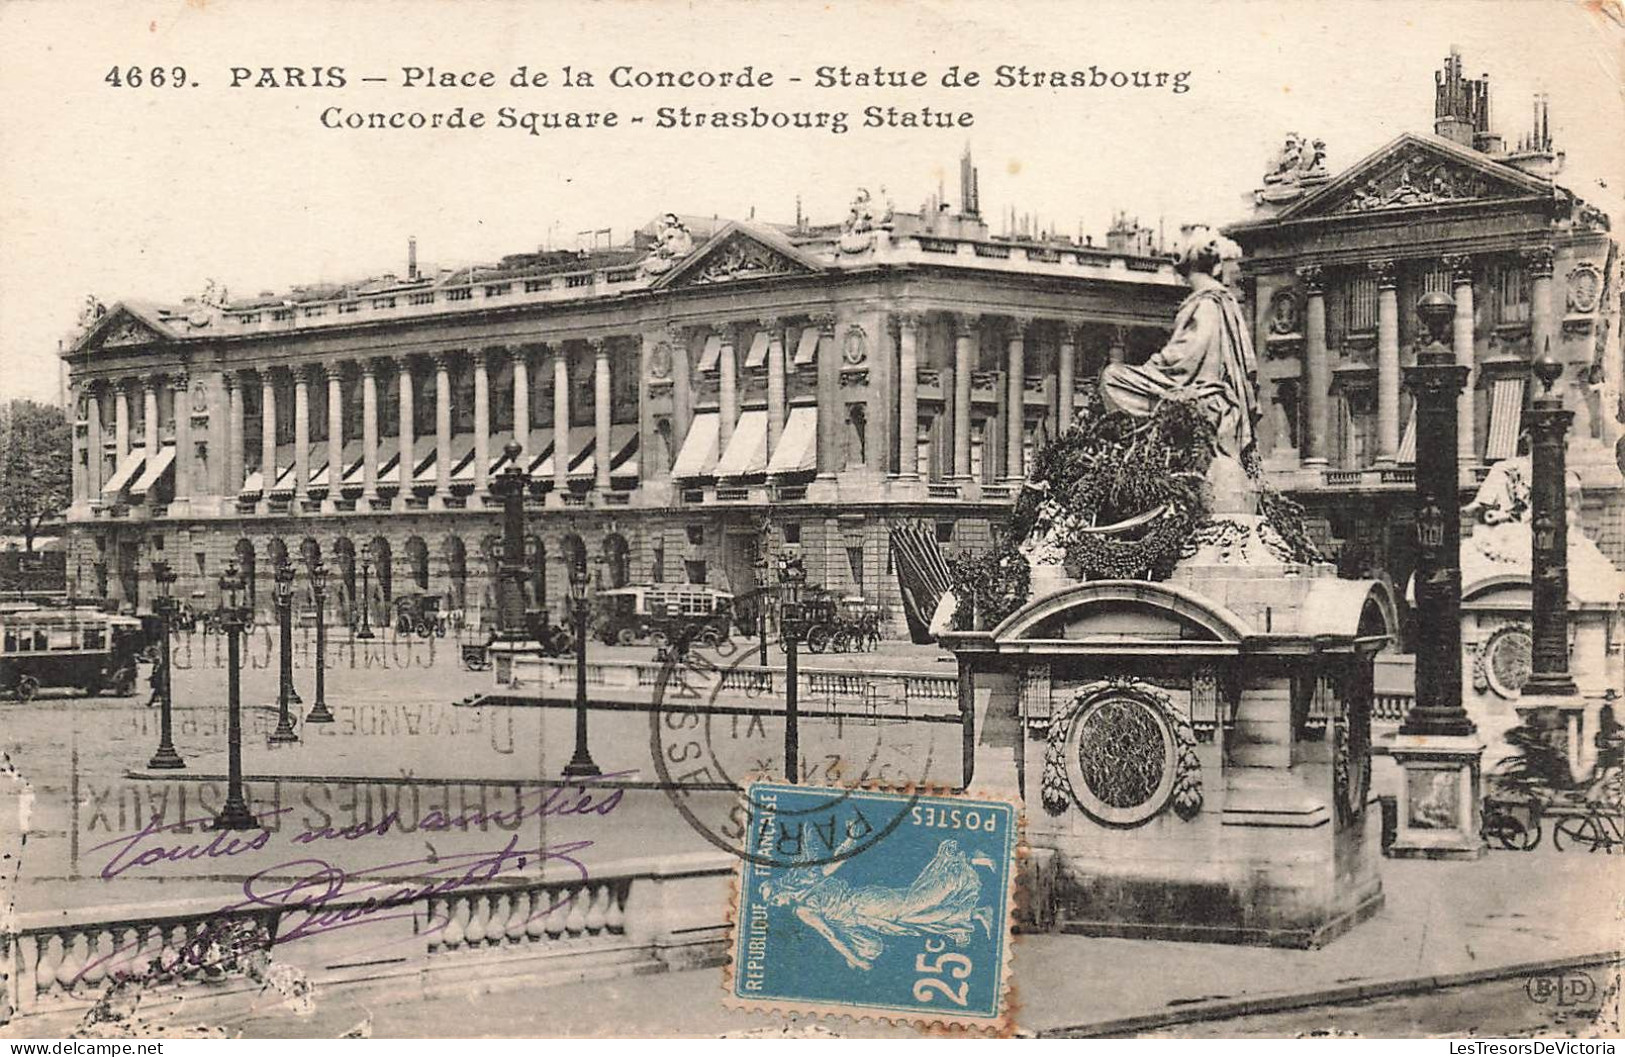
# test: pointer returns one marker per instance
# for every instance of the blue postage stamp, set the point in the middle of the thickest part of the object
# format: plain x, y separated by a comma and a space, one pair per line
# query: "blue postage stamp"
859, 900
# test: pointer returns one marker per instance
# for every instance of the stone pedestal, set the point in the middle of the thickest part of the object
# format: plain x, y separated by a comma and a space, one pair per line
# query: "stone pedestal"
1438, 797
509, 659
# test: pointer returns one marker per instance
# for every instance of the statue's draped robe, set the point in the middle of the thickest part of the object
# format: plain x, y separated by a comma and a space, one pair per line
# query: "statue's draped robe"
1208, 361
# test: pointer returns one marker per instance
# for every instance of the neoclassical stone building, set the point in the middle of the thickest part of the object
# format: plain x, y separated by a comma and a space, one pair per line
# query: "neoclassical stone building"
679, 401
1334, 265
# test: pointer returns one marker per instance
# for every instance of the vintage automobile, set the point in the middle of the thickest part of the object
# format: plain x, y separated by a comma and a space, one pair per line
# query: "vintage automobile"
78, 647
420, 614
657, 614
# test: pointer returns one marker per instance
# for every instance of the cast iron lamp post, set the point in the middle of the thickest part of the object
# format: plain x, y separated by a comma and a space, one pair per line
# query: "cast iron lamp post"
762, 568
284, 732
792, 577
318, 590
365, 630
1549, 557
235, 813
1437, 380
166, 758
581, 764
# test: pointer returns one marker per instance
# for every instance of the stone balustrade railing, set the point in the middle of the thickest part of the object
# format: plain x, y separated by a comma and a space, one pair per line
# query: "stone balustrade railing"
744, 683
637, 917
1391, 707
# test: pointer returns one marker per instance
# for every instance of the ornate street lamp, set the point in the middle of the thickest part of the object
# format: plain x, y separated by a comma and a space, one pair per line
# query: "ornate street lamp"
792, 578
365, 630
166, 758
1436, 746
1549, 528
235, 813
318, 591
581, 764
284, 609
763, 567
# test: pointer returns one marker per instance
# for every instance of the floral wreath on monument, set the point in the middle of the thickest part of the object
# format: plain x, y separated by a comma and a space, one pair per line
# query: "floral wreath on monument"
1181, 786
1124, 499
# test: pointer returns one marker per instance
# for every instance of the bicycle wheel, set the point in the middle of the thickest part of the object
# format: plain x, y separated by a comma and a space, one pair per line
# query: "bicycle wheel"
1501, 828
1580, 829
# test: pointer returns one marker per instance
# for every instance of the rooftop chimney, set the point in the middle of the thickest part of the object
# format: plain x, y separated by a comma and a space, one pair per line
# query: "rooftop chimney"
1461, 108
412, 257
970, 204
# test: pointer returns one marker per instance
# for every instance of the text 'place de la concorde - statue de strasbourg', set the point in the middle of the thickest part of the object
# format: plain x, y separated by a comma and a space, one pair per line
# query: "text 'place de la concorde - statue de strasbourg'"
1163, 659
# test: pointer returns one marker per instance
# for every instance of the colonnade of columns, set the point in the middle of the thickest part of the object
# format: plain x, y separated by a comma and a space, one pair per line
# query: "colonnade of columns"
1317, 356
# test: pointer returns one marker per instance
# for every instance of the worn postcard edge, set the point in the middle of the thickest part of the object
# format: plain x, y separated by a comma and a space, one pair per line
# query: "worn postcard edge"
1004, 1024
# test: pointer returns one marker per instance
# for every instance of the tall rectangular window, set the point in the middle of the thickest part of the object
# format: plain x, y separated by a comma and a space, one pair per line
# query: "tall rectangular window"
1362, 304
1509, 290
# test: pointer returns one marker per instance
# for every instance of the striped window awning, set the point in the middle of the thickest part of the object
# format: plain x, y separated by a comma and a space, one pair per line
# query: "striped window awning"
154, 472
125, 473
1506, 419
807, 347
757, 356
712, 353
1407, 443
698, 455
798, 446
746, 455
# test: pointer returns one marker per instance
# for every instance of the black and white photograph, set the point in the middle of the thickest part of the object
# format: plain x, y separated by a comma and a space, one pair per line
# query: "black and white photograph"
773, 519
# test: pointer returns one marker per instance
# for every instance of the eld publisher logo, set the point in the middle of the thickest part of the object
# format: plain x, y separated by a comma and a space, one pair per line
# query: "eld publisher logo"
1571, 988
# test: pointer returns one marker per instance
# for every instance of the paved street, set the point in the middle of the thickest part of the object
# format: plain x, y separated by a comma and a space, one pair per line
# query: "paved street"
84, 758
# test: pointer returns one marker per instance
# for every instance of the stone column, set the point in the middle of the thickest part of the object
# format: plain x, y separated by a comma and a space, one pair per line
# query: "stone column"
727, 390
93, 439
1462, 337
1537, 263
335, 434
521, 398
482, 424
369, 430
1387, 275
1436, 381
966, 331
1016, 402
682, 393
301, 432
561, 419
1317, 368
178, 384
268, 467
149, 399
775, 382
405, 436
1068, 380
831, 413
908, 395
121, 420
600, 413
1549, 558
442, 424
236, 439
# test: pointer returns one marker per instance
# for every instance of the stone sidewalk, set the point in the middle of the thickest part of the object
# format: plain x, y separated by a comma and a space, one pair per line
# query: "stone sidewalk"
1444, 923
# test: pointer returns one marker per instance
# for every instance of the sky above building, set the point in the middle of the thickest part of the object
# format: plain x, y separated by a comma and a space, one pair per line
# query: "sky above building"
150, 192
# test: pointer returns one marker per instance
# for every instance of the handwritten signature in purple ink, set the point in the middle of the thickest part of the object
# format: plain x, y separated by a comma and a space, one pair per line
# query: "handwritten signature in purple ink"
140, 849
324, 898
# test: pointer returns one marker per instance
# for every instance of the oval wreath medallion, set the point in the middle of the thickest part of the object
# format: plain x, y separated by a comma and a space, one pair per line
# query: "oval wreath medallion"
1122, 754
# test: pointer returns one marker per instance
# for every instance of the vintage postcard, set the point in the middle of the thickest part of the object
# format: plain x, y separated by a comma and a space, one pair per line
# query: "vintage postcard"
591, 519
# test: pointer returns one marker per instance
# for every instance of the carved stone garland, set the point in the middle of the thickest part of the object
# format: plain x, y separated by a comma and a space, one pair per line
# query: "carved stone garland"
1137, 747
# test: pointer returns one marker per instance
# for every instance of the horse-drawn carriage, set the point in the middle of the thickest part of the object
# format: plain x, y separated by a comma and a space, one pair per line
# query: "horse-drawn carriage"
841, 625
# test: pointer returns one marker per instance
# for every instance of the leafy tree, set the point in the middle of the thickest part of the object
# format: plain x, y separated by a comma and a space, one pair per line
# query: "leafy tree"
36, 453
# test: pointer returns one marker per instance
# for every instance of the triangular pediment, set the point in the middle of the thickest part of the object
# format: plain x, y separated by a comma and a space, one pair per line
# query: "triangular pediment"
738, 253
1417, 171
120, 327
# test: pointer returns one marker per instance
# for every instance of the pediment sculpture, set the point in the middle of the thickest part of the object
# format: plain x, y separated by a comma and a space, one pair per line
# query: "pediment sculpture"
742, 257
1418, 179
673, 242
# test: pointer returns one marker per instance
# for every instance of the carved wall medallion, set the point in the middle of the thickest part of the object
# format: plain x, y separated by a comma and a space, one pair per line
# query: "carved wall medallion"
1122, 753
1501, 664
854, 346
1351, 749
1585, 288
1284, 313
660, 362
200, 396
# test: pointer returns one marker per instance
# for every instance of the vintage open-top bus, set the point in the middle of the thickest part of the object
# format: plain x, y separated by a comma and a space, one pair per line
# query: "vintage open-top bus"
70, 646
